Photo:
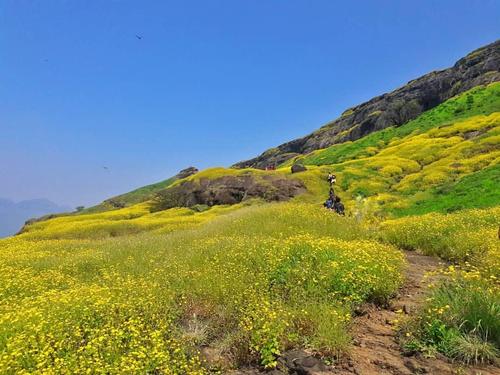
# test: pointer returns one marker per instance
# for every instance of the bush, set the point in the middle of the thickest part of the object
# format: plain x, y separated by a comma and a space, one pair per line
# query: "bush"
461, 319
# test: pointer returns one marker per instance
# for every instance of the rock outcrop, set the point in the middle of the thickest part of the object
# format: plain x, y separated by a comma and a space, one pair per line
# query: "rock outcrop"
227, 190
393, 109
186, 172
296, 168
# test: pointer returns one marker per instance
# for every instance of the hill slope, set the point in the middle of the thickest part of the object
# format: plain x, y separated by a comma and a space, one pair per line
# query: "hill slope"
201, 273
393, 109
445, 160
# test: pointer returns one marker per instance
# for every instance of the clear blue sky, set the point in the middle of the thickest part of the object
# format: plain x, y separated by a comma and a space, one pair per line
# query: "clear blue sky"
210, 82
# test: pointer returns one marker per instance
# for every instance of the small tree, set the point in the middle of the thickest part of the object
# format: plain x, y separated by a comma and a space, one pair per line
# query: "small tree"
80, 208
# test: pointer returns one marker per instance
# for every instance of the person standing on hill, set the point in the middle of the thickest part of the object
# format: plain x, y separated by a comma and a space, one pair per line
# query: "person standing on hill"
331, 178
331, 194
338, 206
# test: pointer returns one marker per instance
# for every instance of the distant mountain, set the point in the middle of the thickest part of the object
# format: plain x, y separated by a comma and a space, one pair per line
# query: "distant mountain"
394, 109
13, 215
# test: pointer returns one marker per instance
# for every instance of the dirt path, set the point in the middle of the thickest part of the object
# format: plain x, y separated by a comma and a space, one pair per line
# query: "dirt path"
376, 350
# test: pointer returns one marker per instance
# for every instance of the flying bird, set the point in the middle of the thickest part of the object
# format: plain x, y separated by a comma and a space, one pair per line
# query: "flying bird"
138, 36
106, 168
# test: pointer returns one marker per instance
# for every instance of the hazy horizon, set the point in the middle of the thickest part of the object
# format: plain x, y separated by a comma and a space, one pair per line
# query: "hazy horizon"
99, 98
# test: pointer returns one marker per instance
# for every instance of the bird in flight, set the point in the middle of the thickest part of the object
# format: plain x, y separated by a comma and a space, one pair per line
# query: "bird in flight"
106, 168
138, 36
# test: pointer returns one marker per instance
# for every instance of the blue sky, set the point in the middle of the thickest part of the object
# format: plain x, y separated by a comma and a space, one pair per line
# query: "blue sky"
209, 84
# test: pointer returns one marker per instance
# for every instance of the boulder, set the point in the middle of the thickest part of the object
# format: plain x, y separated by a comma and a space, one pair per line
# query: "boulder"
227, 190
187, 172
302, 363
296, 168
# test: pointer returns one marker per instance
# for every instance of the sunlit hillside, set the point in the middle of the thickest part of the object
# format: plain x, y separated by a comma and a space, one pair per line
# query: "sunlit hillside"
141, 290
445, 160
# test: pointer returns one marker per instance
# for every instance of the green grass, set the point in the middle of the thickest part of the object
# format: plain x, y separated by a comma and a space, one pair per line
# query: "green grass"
461, 320
477, 190
136, 196
144, 193
480, 100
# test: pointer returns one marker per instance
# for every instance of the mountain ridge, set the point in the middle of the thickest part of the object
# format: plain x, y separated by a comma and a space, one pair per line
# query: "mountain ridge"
14, 214
479, 67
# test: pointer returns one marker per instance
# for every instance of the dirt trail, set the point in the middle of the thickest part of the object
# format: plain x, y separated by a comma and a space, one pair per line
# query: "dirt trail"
376, 350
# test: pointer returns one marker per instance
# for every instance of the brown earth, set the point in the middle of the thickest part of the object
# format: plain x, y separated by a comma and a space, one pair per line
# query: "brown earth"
376, 350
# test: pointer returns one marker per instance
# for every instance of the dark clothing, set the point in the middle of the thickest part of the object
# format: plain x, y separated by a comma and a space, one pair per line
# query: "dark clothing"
339, 208
329, 204
331, 194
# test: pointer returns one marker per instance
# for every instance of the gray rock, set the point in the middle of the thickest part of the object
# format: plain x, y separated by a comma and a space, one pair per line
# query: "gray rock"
296, 168
227, 190
302, 363
187, 172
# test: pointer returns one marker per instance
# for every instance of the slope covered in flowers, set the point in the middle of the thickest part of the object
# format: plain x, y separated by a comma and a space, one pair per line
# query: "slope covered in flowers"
446, 159
250, 284
461, 317
134, 291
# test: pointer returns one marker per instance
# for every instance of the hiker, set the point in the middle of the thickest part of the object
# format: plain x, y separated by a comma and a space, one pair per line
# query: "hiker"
331, 194
338, 206
329, 203
331, 178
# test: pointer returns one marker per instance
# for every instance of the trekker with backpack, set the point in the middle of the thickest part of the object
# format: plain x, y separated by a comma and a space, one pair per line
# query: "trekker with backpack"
338, 206
329, 203
331, 194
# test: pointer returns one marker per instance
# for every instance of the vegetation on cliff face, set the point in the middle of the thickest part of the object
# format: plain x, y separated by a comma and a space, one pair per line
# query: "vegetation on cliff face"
480, 67
445, 160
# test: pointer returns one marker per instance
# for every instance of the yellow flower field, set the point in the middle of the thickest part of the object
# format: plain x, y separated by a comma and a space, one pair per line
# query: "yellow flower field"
250, 283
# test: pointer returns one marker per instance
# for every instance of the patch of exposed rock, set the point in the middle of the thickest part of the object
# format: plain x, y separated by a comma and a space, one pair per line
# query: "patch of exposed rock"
393, 109
227, 190
187, 172
296, 168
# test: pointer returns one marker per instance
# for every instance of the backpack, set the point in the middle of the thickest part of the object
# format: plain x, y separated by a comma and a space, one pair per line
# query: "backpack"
339, 208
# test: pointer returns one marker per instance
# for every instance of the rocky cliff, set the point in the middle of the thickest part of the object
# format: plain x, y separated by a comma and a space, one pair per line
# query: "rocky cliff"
227, 190
480, 67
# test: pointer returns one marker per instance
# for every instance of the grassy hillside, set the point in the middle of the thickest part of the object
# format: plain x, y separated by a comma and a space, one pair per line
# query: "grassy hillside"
446, 159
136, 196
482, 100
248, 283
129, 290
